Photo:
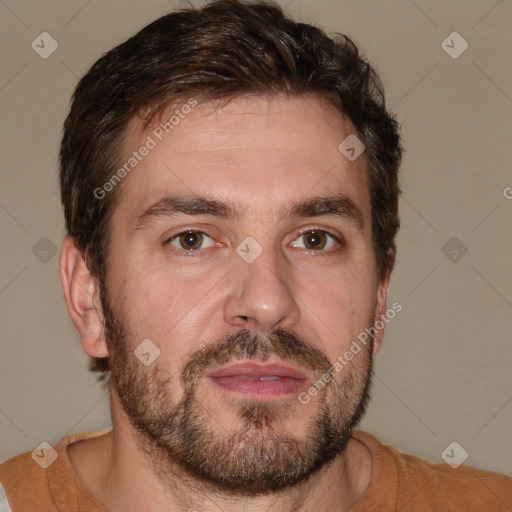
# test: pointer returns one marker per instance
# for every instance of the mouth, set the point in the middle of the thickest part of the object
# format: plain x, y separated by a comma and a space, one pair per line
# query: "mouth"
253, 380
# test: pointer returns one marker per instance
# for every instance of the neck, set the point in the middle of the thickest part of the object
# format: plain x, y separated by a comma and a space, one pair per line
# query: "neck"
121, 475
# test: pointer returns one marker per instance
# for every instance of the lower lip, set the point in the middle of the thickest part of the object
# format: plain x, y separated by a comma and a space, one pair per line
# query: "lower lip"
259, 388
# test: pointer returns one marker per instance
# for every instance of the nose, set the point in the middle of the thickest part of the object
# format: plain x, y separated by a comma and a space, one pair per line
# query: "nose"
259, 294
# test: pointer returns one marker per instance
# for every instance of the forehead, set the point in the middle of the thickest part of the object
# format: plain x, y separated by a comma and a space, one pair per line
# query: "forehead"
258, 152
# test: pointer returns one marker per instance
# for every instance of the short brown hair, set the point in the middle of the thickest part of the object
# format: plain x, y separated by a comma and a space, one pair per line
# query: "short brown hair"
225, 49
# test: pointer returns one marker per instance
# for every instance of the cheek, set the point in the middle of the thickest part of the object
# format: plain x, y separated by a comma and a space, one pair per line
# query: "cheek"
169, 309
343, 306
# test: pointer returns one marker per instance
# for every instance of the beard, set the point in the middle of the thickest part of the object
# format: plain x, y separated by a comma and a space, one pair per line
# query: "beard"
259, 456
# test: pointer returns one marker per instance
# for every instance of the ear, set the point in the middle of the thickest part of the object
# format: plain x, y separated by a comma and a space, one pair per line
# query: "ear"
380, 309
82, 295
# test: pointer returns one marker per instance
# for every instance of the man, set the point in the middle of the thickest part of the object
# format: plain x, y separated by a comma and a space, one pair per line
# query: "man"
229, 181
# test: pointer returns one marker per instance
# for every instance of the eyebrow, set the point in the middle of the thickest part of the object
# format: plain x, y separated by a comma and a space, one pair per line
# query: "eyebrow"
190, 205
338, 205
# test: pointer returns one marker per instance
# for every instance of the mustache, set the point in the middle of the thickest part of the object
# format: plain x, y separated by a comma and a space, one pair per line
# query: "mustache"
247, 344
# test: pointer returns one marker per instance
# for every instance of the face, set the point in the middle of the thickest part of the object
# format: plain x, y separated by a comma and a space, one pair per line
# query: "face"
241, 247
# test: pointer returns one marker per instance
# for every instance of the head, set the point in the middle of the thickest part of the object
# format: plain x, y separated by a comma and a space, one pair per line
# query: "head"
210, 210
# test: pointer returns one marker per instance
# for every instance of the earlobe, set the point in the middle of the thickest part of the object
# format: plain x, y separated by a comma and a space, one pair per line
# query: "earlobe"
380, 309
81, 293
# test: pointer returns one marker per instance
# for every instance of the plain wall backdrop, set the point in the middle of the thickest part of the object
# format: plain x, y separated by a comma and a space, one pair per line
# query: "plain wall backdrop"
444, 371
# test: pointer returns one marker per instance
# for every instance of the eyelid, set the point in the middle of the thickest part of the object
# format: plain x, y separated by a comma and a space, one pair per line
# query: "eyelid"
207, 229
337, 236
182, 231
334, 235
188, 253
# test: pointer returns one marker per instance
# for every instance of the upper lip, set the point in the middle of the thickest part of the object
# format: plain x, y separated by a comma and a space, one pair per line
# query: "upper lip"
252, 369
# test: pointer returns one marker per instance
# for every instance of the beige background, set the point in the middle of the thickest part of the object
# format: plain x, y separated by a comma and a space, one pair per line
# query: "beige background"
444, 372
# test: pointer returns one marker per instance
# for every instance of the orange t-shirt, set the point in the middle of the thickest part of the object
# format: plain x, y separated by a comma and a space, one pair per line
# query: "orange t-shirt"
399, 482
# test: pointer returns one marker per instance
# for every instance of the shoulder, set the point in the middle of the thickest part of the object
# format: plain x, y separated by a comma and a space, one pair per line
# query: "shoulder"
36, 480
21, 478
468, 487
421, 483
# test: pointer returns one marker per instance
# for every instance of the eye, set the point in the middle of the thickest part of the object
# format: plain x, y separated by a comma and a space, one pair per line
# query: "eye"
316, 240
191, 240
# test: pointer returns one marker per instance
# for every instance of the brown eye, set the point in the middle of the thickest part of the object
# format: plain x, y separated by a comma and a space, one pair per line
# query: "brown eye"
191, 240
316, 240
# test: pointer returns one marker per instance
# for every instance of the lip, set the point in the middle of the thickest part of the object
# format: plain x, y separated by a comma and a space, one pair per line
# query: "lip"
259, 370
253, 380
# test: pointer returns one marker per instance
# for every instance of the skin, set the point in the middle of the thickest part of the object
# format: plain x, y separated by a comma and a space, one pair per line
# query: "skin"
262, 154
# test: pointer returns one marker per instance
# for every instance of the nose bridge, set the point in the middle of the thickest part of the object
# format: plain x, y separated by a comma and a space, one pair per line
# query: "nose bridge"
260, 292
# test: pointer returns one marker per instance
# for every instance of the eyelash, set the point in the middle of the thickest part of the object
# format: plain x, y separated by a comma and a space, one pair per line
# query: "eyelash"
184, 252
194, 253
339, 241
